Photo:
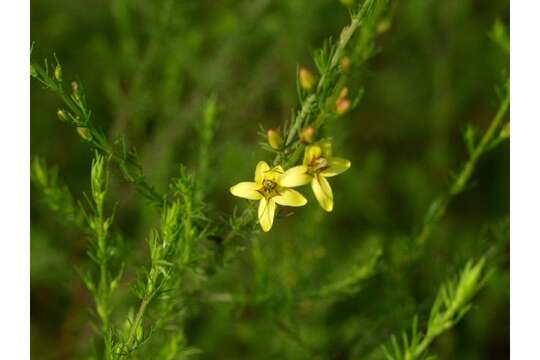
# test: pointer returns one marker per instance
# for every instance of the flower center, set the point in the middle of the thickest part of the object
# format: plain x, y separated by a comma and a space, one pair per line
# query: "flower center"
269, 188
318, 164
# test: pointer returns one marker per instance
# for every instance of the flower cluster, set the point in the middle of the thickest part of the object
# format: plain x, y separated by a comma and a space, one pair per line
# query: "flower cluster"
273, 186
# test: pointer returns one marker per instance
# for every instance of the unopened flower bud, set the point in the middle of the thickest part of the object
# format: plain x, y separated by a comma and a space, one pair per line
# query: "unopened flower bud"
62, 115
307, 135
84, 133
383, 26
74, 87
58, 72
342, 106
274, 139
307, 80
343, 93
345, 63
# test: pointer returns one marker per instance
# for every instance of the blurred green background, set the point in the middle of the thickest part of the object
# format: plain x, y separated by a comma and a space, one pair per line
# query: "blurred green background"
148, 67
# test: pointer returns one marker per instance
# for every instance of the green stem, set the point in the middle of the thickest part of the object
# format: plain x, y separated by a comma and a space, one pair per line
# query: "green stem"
138, 319
439, 206
188, 231
344, 39
148, 295
103, 294
309, 105
300, 118
99, 141
482, 147
432, 334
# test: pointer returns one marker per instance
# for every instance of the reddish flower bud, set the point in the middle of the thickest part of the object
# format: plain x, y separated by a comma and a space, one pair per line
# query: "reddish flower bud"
342, 106
307, 135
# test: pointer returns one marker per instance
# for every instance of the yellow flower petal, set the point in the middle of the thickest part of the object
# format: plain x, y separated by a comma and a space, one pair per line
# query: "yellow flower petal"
312, 152
295, 176
260, 169
273, 174
323, 192
336, 166
247, 190
278, 169
290, 197
267, 209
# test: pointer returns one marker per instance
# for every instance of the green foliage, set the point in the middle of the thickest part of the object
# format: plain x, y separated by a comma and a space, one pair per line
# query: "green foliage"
56, 195
189, 84
101, 251
79, 116
350, 282
489, 140
452, 302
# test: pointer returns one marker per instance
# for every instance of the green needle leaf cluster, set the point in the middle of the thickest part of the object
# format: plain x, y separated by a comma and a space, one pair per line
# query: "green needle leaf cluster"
186, 260
453, 301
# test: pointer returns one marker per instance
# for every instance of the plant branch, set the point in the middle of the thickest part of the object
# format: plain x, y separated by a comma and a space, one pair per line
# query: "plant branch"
438, 207
79, 117
314, 110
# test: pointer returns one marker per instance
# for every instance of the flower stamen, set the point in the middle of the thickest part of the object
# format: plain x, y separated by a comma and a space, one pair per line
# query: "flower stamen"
269, 188
319, 164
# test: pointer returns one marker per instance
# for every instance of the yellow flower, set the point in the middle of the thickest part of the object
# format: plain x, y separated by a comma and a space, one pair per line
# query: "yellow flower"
269, 189
317, 166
